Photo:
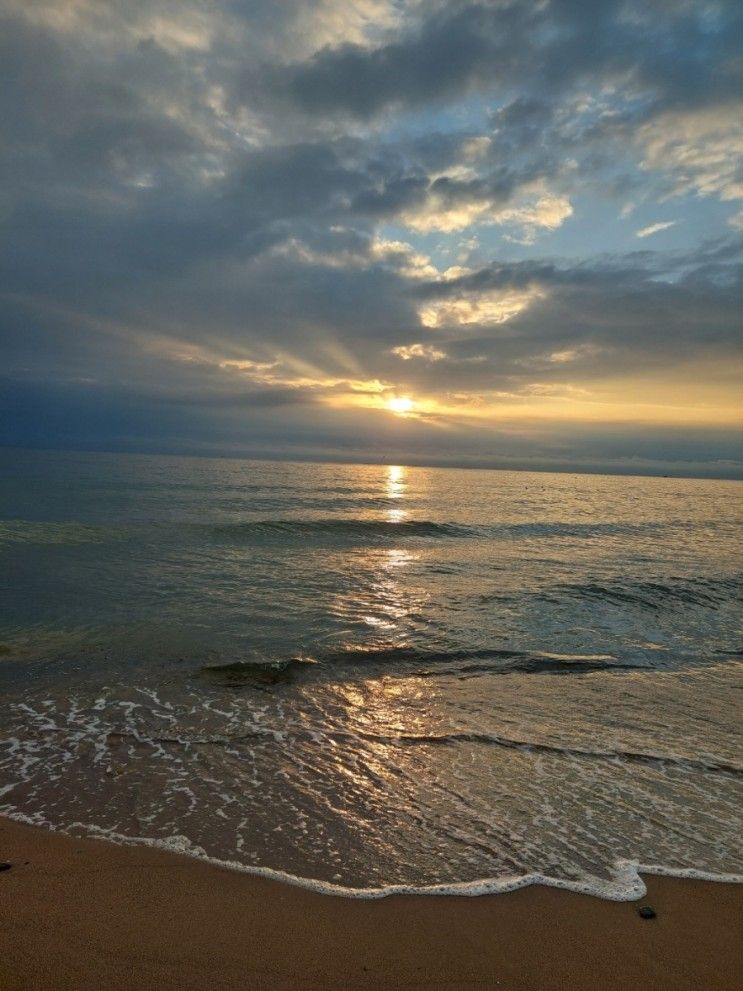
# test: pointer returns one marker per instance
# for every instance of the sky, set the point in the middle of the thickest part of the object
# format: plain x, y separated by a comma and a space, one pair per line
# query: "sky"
502, 234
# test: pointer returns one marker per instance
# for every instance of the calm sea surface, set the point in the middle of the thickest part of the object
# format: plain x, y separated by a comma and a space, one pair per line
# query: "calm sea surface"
375, 676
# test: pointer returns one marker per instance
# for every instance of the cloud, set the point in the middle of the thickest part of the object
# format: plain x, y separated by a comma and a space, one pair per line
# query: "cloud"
442, 55
548, 213
480, 308
427, 352
438, 214
644, 315
449, 209
655, 228
701, 149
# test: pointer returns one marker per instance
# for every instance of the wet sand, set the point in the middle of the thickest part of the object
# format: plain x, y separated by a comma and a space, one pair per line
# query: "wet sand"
84, 914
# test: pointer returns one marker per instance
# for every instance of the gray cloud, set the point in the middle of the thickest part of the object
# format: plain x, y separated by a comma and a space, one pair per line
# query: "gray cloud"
663, 54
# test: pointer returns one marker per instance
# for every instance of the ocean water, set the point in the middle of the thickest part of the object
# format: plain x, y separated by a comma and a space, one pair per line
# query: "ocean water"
374, 678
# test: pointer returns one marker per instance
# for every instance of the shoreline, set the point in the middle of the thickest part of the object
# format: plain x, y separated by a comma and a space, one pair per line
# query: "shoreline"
627, 884
83, 914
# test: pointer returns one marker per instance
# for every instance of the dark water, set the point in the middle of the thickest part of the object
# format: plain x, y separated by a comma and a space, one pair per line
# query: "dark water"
375, 676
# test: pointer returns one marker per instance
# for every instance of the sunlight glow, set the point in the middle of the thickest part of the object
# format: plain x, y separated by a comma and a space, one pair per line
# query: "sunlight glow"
400, 405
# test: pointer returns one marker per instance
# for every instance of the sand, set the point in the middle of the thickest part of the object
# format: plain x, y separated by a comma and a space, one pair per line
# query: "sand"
86, 914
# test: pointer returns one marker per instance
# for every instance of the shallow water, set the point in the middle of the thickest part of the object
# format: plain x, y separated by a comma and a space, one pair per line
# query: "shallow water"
375, 676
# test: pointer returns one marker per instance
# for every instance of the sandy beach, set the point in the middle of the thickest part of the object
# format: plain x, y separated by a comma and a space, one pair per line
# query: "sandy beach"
85, 914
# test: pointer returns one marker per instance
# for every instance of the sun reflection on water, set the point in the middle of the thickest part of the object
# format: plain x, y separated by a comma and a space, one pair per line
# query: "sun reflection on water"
382, 608
383, 600
395, 486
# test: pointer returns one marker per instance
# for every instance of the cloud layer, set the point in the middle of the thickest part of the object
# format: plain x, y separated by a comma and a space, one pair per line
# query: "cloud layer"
245, 227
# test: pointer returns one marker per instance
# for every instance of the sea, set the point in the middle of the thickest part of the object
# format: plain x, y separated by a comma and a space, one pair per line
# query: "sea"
376, 678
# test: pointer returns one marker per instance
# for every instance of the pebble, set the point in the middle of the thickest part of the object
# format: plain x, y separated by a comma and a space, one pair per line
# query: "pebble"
647, 912
5, 866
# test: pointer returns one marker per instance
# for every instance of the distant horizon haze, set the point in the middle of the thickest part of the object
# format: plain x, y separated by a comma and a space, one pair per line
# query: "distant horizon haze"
710, 471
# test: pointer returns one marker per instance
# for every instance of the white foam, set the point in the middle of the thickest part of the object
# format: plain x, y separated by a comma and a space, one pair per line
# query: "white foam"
626, 884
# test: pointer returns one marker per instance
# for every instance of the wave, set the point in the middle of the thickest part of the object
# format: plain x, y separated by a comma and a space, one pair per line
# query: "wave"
530, 746
264, 671
708, 765
334, 528
412, 661
341, 527
460, 664
624, 885
576, 529
706, 592
352, 527
39, 532
489, 658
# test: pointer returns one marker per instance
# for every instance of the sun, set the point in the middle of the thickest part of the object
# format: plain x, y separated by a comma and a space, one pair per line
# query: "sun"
400, 404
